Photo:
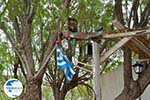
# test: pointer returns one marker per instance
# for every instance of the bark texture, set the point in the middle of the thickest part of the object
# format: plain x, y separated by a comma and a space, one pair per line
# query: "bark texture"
131, 87
33, 91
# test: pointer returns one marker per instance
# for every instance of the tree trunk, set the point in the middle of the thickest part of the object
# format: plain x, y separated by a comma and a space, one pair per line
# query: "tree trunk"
118, 11
59, 95
33, 91
130, 93
131, 89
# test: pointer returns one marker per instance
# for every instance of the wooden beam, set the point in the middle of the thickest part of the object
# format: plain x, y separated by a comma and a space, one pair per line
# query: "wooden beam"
114, 48
141, 46
82, 68
126, 34
118, 25
143, 60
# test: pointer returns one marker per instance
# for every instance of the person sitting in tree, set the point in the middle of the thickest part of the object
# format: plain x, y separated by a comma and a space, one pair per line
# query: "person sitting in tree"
73, 34
72, 31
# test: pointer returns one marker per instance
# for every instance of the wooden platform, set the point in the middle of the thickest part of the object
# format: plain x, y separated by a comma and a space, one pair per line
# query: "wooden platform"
137, 40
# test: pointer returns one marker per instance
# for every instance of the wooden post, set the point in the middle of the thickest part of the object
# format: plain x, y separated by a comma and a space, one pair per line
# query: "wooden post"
96, 71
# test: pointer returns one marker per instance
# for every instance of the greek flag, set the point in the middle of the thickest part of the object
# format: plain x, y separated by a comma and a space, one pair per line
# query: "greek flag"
64, 64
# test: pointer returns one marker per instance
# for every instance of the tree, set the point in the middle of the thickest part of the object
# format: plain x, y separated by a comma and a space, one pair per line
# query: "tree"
18, 20
32, 27
139, 85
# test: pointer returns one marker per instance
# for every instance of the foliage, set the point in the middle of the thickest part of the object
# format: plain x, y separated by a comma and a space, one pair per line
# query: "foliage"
6, 56
80, 93
90, 15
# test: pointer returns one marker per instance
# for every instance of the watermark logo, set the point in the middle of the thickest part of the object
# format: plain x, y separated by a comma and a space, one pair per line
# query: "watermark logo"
13, 88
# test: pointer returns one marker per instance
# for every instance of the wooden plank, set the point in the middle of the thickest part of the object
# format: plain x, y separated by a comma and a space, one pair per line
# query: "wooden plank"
126, 34
118, 25
84, 69
143, 60
144, 40
114, 48
141, 46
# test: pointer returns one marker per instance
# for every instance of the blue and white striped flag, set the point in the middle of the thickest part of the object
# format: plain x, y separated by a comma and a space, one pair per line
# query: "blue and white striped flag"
64, 64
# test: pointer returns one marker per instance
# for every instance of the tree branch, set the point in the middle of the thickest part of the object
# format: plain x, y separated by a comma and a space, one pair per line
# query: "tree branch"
14, 45
43, 66
104, 45
16, 28
145, 14
134, 13
127, 67
51, 43
118, 11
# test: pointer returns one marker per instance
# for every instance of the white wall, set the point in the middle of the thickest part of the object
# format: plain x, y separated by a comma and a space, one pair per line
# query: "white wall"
112, 85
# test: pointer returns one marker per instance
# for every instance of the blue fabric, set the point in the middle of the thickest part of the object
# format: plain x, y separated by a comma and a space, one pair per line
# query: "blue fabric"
63, 63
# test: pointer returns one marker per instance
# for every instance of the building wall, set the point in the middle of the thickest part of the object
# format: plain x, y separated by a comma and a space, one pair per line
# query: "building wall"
112, 85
